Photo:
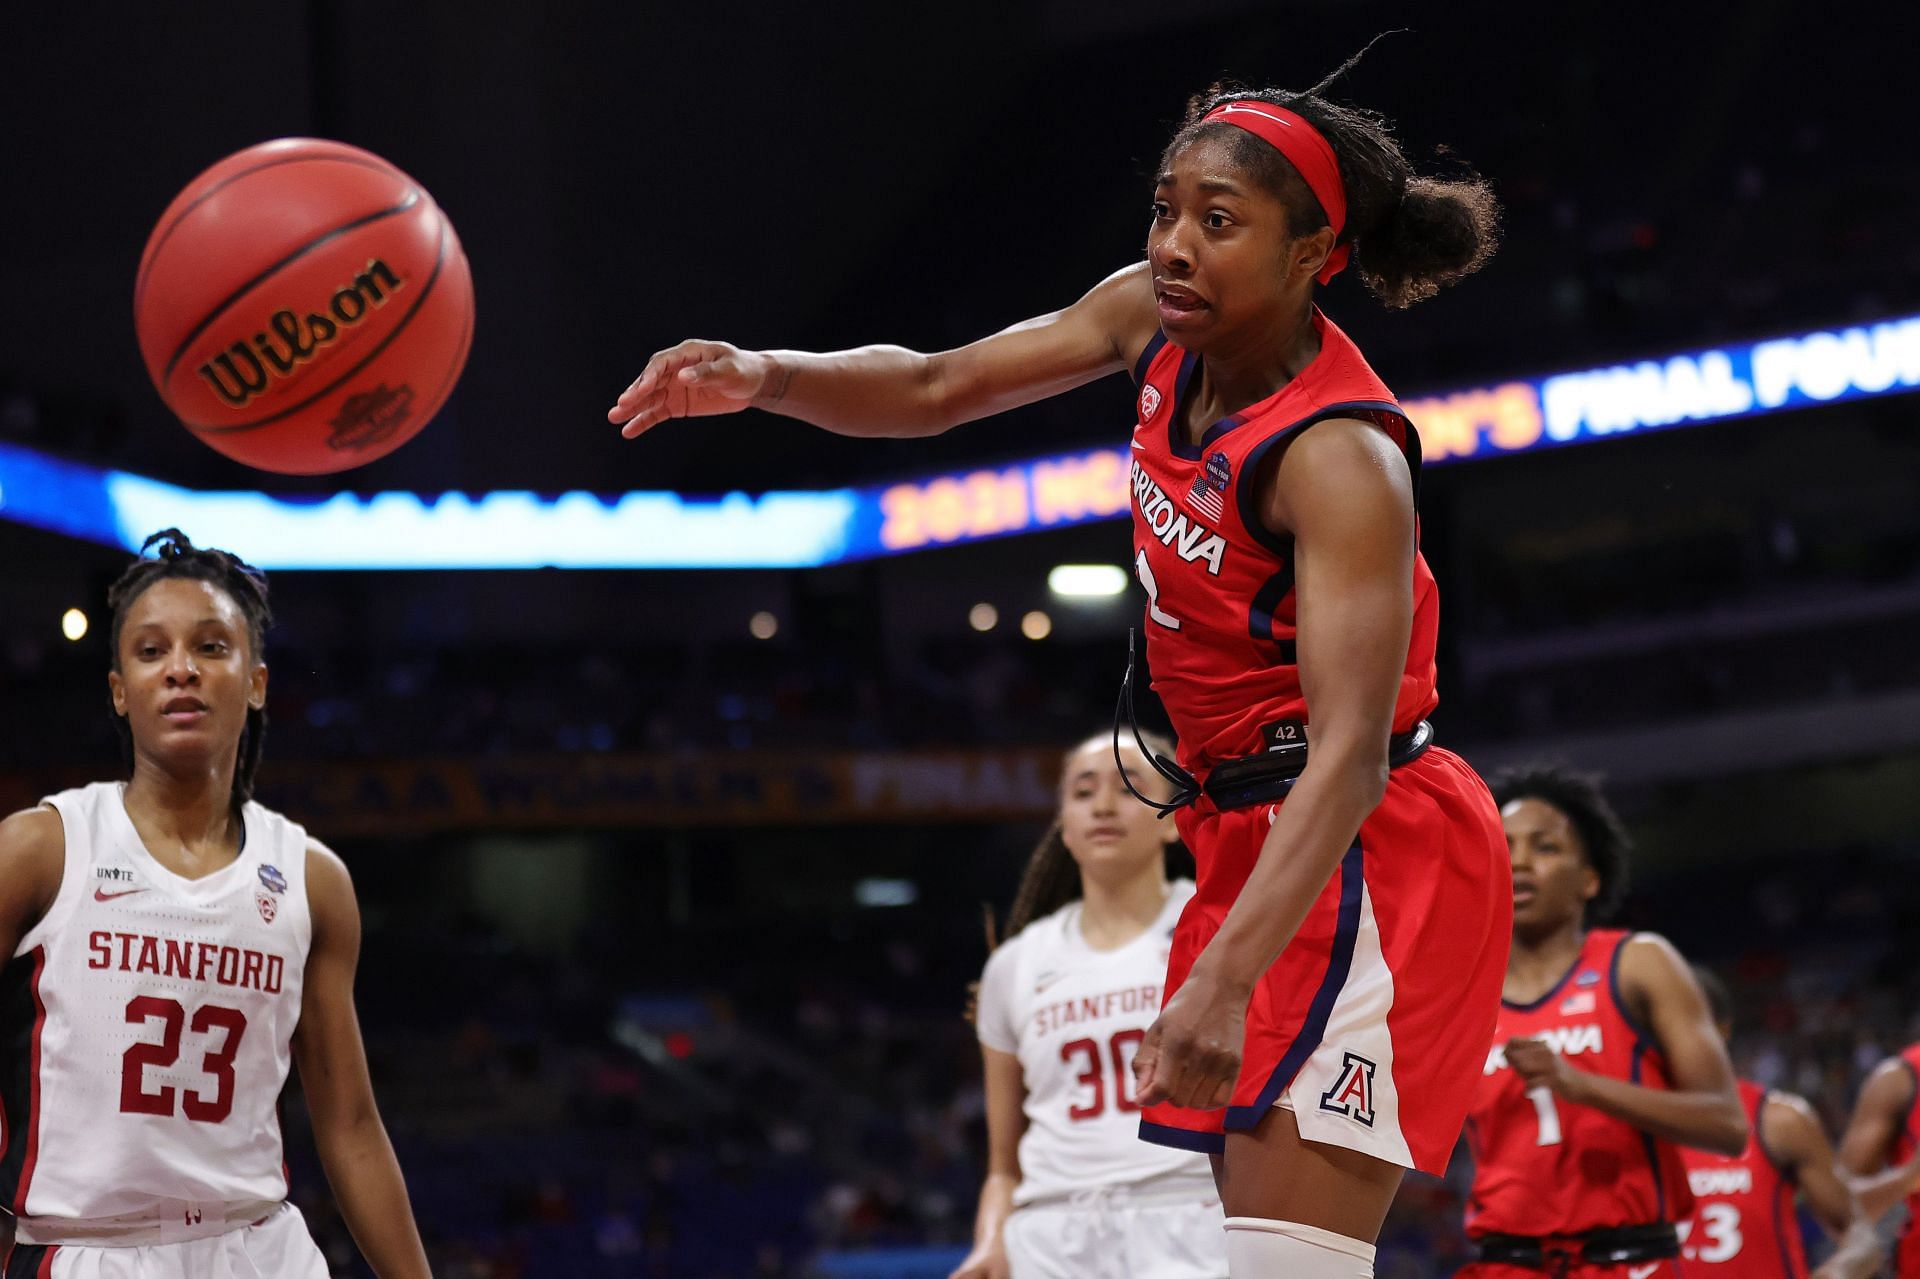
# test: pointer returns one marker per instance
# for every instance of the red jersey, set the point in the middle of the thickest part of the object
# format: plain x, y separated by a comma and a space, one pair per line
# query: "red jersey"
1906, 1144
1221, 612
1743, 1224
1545, 1166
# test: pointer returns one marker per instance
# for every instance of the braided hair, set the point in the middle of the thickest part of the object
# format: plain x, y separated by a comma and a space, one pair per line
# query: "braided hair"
1412, 234
245, 585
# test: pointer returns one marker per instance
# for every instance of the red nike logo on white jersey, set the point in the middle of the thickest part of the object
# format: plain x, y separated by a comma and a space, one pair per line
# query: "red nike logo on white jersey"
102, 895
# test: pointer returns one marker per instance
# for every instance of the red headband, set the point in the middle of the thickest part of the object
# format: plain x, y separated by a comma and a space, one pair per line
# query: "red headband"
1307, 150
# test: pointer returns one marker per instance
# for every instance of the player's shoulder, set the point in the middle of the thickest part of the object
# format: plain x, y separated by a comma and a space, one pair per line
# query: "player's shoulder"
30, 838
1644, 953
1043, 933
32, 858
1896, 1077
324, 867
1777, 1105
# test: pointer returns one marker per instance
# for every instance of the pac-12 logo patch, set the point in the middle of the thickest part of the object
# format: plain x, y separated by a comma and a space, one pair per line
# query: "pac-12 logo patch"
268, 908
1352, 1093
1149, 402
272, 878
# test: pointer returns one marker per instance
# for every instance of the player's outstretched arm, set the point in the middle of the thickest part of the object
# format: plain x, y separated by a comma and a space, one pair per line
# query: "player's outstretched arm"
32, 859
1006, 1124
891, 391
1702, 1109
1793, 1136
1884, 1101
353, 1144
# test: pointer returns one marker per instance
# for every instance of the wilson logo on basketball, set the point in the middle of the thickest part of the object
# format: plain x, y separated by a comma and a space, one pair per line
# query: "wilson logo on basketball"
370, 417
238, 373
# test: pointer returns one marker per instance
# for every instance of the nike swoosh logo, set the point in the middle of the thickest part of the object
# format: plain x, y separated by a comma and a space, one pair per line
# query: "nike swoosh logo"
1137, 444
1642, 1272
101, 895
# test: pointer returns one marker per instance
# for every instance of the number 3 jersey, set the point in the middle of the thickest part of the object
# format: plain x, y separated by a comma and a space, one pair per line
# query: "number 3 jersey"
1221, 615
1546, 1166
1074, 1016
146, 1023
1743, 1224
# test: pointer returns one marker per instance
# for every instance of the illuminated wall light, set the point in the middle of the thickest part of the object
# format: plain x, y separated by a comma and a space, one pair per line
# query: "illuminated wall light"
73, 624
1087, 581
1036, 625
764, 625
983, 616
886, 892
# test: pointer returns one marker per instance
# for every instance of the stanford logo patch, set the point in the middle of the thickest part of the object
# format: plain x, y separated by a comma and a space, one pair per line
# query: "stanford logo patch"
1352, 1093
1149, 402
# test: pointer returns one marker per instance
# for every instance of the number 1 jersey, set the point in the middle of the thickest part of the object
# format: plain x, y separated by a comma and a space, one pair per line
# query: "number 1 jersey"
146, 1023
1544, 1166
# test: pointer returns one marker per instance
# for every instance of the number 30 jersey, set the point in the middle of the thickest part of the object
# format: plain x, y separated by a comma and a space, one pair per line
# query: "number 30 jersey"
146, 1024
1221, 616
1546, 1166
1074, 1016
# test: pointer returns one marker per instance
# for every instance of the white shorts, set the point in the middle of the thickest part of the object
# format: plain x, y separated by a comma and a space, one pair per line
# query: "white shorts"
277, 1248
1111, 1235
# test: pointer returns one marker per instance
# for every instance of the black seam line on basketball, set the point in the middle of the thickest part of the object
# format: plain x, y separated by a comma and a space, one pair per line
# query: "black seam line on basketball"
413, 198
459, 363
140, 285
386, 341
445, 388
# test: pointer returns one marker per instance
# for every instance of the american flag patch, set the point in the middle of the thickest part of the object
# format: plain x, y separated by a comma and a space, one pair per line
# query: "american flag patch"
1574, 1005
1207, 493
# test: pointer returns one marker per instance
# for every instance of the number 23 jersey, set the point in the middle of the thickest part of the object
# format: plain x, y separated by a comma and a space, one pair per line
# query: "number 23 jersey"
1074, 1016
146, 1022
1545, 1166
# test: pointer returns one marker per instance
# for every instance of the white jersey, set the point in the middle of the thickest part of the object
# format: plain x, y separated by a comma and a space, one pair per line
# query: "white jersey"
146, 1026
1075, 1016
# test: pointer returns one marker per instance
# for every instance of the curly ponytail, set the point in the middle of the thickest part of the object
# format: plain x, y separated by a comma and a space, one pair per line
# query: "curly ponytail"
1412, 234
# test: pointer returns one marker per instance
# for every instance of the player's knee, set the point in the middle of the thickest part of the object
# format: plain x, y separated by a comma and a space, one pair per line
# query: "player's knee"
1261, 1248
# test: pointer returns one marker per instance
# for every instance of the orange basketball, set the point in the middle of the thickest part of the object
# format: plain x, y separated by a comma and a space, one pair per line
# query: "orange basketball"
303, 306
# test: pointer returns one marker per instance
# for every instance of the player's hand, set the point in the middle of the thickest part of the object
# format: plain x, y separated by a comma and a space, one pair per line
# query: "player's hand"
693, 379
986, 1261
1191, 1055
1540, 1067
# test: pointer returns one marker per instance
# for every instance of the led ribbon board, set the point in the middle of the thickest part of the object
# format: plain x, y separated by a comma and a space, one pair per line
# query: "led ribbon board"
515, 530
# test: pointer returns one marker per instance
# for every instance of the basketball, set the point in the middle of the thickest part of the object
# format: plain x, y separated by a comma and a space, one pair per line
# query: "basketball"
304, 307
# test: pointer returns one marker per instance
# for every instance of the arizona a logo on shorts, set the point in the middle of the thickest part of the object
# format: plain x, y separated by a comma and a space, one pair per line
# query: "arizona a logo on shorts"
1352, 1093
1149, 402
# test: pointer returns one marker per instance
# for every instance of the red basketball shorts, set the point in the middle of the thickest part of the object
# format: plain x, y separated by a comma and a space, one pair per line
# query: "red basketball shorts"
1372, 1027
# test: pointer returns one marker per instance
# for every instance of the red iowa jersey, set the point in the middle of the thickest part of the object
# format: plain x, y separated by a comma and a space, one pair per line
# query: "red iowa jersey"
1743, 1224
1220, 601
1545, 1166
1906, 1144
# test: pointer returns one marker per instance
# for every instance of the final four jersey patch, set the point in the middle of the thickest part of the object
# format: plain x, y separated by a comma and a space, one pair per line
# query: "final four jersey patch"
1352, 1092
1209, 487
272, 878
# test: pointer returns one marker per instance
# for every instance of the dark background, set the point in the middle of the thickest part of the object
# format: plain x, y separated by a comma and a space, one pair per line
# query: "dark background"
1721, 617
